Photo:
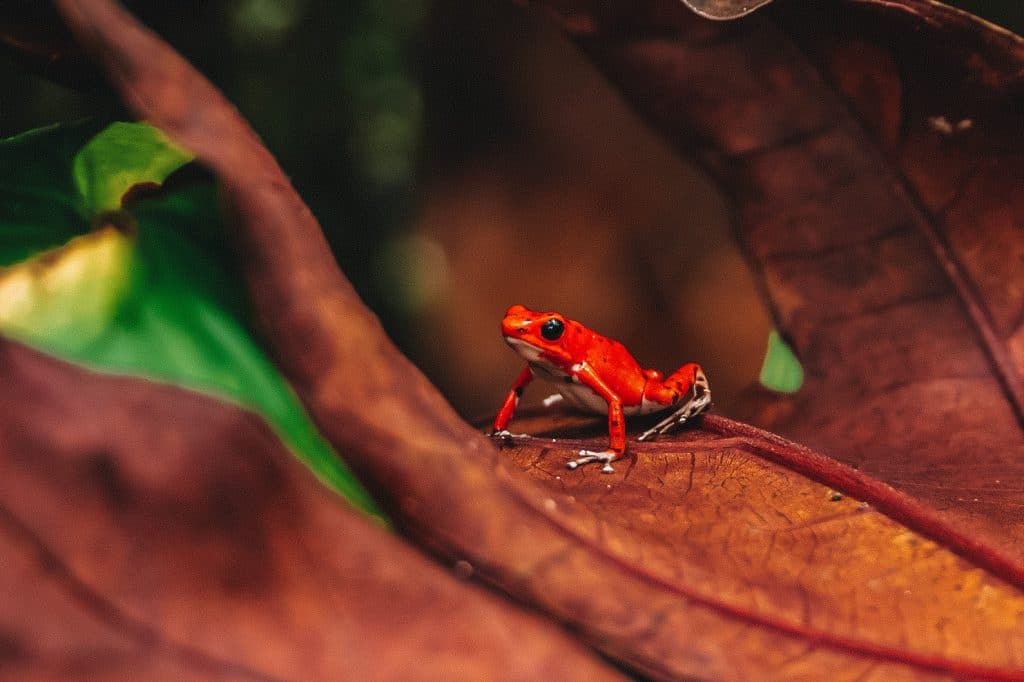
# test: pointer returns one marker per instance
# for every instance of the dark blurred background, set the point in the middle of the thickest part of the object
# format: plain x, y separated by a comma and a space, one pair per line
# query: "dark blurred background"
461, 157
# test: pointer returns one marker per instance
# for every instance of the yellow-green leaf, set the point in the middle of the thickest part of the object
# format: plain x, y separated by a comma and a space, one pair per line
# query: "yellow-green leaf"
66, 297
120, 157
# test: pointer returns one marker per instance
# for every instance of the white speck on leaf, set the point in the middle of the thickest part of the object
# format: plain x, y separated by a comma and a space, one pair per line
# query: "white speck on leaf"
552, 399
941, 124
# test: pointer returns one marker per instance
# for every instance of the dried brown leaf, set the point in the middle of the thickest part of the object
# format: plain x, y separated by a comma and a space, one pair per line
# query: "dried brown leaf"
136, 547
738, 541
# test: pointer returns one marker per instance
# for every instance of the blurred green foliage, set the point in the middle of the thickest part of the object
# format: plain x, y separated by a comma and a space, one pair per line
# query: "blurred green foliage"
332, 88
781, 371
145, 291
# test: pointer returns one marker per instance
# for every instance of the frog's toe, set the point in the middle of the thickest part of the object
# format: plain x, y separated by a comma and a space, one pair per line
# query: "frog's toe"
588, 456
698, 400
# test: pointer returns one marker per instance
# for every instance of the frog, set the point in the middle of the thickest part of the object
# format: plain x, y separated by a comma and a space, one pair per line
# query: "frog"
594, 373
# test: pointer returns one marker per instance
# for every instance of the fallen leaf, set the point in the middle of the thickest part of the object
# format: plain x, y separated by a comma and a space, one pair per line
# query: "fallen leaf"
134, 548
816, 579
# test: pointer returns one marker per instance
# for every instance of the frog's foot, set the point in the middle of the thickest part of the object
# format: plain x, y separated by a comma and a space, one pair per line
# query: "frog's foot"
588, 456
502, 437
697, 401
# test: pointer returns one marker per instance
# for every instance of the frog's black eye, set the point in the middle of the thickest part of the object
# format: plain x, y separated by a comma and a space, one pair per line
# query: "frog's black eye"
552, 329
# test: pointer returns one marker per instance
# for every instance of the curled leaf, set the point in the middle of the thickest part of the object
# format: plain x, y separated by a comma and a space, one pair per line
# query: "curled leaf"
122, 156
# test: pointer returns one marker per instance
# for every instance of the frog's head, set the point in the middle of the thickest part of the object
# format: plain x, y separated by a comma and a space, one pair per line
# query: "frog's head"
530, 333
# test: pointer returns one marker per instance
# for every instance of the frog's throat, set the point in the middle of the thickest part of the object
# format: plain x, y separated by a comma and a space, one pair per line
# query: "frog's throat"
530, 353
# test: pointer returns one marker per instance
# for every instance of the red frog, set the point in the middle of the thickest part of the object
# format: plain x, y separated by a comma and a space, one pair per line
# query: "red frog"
597, 374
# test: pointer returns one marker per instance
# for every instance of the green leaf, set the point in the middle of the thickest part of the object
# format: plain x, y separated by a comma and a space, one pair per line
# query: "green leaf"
66, 298
151, 296
781, 370
38, 205
120, 157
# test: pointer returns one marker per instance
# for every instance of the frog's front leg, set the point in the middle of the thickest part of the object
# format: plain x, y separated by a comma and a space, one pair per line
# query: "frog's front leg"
508, 408
616, 421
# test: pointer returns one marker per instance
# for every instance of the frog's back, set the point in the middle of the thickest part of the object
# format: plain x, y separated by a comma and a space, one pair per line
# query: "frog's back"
613, 365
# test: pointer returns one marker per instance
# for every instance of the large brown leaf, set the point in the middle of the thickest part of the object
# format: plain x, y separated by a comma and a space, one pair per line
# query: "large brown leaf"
135, 548
872, 150
722, 555
745, 549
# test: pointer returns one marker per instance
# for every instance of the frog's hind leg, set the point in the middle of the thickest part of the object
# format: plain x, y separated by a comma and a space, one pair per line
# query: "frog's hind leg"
696, 400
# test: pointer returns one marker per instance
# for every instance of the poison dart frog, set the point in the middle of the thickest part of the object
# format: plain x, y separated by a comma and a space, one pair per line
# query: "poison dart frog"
596, 374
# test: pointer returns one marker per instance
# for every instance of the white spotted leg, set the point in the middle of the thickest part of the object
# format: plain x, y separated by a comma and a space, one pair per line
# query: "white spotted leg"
616, 421
697, 400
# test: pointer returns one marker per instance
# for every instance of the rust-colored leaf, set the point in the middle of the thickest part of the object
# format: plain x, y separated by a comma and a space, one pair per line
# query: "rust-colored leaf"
738, 541
872, 150
721, 555
135, 548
